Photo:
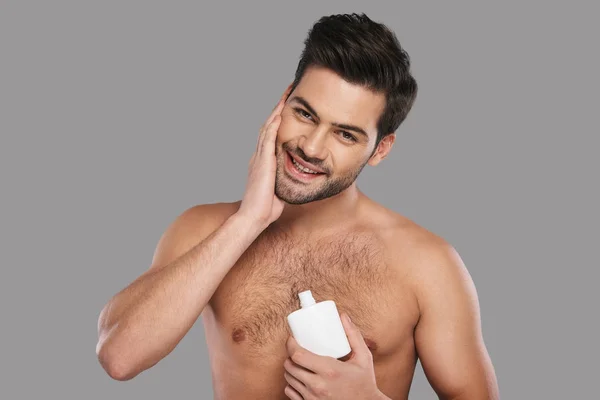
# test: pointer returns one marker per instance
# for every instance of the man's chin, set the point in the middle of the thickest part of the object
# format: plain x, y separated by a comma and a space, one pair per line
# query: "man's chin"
285, 195
293, 200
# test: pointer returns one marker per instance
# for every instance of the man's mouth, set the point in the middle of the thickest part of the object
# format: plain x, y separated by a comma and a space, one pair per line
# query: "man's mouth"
300, 170
305, 166
303, 169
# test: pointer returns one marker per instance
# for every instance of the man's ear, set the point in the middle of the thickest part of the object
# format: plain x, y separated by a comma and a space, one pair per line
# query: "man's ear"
383, 149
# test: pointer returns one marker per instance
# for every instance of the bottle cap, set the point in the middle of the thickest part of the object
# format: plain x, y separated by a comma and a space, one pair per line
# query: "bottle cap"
306, 298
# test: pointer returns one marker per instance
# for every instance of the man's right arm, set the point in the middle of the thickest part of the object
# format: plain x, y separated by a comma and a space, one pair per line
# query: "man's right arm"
144, 322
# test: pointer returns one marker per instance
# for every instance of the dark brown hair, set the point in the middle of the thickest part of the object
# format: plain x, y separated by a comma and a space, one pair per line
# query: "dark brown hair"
365, 53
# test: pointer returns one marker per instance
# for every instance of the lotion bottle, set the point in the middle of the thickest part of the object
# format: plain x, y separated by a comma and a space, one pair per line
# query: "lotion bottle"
318, 327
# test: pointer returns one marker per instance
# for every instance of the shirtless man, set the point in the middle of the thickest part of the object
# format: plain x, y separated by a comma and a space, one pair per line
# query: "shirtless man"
303, 224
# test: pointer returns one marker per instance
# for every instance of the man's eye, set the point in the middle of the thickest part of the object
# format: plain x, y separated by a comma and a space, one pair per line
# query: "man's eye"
348, 136
302, 113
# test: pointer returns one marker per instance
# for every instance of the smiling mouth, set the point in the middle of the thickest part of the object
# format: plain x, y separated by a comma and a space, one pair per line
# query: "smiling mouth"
304, 169
299, 170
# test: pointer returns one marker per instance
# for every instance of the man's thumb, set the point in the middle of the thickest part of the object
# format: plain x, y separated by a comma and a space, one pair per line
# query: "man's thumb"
355, 338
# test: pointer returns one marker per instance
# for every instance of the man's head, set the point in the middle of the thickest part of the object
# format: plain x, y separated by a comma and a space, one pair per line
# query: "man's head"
351, 92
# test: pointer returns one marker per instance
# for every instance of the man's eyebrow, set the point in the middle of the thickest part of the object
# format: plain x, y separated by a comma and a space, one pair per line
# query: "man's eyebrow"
302, 100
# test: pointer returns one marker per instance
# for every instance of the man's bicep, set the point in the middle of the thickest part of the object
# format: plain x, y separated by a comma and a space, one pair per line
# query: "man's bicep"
448, 336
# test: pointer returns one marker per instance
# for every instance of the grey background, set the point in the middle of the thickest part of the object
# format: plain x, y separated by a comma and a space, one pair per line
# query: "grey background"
116, 116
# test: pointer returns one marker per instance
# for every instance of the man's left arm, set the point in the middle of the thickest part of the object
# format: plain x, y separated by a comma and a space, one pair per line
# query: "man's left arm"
448, 335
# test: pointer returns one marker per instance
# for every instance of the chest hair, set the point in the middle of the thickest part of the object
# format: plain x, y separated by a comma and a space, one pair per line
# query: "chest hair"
262, 288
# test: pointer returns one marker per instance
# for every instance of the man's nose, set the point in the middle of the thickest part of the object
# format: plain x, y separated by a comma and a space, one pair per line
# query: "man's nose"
313, 144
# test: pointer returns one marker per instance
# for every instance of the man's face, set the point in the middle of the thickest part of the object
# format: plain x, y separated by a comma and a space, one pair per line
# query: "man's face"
316, 130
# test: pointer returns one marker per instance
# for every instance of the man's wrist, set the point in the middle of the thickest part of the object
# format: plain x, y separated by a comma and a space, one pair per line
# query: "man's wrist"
248, 223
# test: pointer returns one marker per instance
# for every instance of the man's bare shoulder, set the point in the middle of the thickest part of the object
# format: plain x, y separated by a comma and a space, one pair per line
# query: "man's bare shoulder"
199, 221
189, 228
419, 249
427, 260
208, 214
397, 231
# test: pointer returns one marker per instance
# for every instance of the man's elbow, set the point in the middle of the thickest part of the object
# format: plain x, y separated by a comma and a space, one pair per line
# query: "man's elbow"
116, 366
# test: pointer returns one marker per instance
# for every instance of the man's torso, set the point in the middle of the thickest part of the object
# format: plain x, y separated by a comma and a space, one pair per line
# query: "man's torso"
363, 267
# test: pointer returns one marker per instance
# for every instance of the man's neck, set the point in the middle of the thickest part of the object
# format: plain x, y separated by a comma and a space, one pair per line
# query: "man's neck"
322, 215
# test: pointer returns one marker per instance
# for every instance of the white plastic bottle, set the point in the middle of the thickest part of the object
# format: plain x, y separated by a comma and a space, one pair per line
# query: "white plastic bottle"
318, 327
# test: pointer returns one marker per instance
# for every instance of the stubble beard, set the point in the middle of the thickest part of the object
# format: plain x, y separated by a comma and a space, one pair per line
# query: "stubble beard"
293, 192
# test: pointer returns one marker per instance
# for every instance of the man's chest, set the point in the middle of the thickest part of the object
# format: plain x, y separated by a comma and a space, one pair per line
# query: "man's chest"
354, 270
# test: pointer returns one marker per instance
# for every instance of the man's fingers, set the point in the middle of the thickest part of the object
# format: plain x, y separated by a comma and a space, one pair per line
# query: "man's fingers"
357, 342
261, 136
295, 383
276, 112
265, 127
268, 138
278, 107
292, 393
307, 377
307, 360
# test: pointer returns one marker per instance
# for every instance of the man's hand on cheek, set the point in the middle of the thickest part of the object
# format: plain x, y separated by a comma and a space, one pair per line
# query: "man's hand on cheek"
311, 376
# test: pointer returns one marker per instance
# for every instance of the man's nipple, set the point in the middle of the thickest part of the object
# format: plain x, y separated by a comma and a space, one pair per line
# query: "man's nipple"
238, 335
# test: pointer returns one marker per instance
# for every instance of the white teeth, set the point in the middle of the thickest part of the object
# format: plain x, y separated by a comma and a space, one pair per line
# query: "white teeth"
302, 169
